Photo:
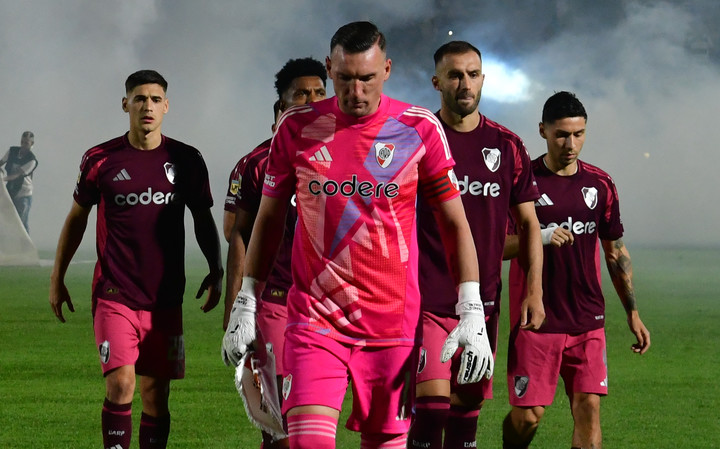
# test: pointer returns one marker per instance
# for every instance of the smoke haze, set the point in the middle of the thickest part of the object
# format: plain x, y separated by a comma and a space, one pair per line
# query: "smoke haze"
647, 72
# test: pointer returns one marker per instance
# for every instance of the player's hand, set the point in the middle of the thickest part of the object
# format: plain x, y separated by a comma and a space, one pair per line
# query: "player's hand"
59, 295
641, 333
532, 312
556, 236
213, 284
241, 331
476, 359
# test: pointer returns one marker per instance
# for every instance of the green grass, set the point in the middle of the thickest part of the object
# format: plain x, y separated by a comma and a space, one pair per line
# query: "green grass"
51, 386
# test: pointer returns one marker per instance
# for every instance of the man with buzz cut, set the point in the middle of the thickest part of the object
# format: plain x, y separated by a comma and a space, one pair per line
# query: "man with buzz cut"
141, 183
300, 81
578, 211
356, 163
493, 170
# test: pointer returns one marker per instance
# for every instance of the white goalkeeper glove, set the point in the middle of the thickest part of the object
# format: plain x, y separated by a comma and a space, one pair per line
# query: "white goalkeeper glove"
241, 332
477, 359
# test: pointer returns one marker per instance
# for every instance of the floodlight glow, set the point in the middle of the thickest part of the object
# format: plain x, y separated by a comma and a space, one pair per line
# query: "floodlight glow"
504, 84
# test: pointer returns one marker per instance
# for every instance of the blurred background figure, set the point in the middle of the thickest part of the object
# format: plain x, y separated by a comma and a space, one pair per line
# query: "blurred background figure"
19, 163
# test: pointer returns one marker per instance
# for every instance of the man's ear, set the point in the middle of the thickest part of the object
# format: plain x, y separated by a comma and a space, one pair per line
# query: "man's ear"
541, 130
124, 104
435, 82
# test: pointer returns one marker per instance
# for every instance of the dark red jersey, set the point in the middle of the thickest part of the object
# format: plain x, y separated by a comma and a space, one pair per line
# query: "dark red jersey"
141, 198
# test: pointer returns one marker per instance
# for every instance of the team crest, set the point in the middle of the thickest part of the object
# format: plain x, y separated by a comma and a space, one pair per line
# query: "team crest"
492, 158
287, 386
590, 196
234, 186
104, 350
384, 153
422, 361
170, 172
453, 179
521, 384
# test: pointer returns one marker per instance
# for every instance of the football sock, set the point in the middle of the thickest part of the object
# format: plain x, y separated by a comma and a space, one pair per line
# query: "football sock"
383, 441
116, 425
431, 414
308, 431
154, 431
461, 427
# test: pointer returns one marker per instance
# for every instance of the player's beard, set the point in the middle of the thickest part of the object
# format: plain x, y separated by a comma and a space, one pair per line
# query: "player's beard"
463, 109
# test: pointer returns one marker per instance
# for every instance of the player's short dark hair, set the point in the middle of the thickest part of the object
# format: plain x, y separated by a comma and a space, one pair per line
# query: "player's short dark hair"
561, 105
357, 37
455, 48
145, 77
295, 68
28, 134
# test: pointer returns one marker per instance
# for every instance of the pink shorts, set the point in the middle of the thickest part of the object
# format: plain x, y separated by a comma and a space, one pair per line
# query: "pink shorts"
152, 341
318, 369
271, 320
536, 360
435, 330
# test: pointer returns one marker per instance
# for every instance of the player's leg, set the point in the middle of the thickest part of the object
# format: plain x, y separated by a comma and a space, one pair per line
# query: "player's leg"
586, 415
22, 205
432, 402
534, 361
466, 401
313, 397
585, 373
161, 358
382, 382
271, 321
116, 335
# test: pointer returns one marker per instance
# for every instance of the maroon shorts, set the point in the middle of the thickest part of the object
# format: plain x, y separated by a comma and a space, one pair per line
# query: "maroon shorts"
435, 331
152, 341
536, 360
318, 368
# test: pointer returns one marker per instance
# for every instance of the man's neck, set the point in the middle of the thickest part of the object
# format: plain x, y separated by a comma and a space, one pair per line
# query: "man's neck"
145, 141
458, 122
560, 170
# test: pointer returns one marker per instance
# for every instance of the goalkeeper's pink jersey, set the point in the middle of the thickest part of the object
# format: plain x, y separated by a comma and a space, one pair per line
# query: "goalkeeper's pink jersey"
356, 181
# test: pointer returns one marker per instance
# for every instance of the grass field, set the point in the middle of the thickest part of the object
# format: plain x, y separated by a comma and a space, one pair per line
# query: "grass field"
51, 388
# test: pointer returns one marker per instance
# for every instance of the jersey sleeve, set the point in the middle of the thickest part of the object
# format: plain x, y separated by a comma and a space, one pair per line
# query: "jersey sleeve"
280, 177
197, 190
610, 227
437, 179
87, 190
524, 187
251, 185
234, 181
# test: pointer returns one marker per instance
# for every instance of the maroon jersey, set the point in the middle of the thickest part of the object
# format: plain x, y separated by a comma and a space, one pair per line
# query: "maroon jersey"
493, 172
141, 198
587, 204
250, 176
236, 178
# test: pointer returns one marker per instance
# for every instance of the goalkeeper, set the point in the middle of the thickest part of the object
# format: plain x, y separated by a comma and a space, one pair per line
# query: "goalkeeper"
356, 163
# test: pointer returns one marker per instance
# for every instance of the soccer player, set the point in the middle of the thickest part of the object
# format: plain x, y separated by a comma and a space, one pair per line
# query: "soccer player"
493, 170
578, 208
299, 82
141, 183
356, 163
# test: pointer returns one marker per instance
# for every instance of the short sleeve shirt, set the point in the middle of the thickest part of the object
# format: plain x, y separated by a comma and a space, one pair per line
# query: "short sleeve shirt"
141, 198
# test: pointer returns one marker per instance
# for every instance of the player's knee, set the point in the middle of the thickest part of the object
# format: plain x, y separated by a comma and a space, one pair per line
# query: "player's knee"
587, 405
120, 388
526, 419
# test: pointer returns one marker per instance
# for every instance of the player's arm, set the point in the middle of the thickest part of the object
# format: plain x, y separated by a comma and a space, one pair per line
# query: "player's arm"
239, 238
70, 238
556, 237
228, 222
207, 237
530, 256
617, 258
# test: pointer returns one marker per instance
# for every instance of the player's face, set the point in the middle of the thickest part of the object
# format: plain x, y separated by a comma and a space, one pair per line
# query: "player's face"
303, 90
147, 105
565, 139
358, 79
26, 141
459, 79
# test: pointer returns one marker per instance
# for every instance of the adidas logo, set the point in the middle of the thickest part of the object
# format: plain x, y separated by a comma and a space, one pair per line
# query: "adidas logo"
117, 446
321, 155
122, 176
544, 200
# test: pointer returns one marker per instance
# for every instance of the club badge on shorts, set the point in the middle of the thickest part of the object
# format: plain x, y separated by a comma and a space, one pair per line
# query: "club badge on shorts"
521, 384
104, 350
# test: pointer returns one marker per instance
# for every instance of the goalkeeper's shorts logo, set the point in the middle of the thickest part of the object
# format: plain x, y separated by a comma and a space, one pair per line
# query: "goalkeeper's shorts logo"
104, 350
521, 384
287, 386
422, 361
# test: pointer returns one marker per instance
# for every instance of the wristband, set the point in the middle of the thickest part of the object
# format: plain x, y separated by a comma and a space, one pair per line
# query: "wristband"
469, 301
546, 235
